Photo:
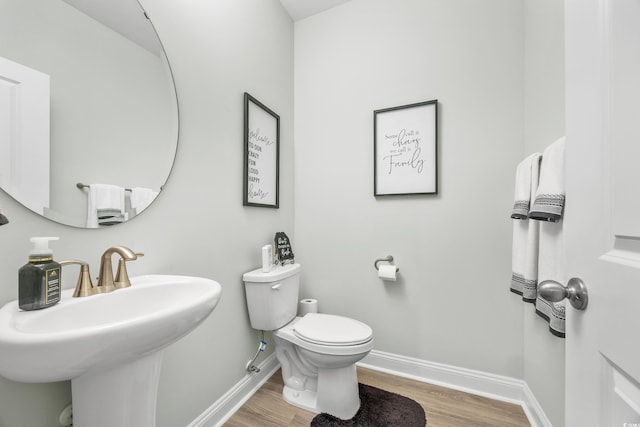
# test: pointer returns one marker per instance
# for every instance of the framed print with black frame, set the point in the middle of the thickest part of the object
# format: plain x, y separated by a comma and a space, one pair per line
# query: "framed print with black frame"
261, 154
405, 149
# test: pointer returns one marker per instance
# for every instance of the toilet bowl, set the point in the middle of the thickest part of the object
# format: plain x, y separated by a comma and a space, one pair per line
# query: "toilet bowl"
317, 352
320, 374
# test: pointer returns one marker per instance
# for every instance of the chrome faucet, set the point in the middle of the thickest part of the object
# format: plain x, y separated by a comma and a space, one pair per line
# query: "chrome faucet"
106, 283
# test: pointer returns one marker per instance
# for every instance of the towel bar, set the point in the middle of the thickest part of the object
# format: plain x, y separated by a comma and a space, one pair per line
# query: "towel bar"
83, 186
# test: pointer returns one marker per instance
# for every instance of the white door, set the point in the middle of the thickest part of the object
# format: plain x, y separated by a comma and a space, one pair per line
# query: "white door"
24, 134
602, 221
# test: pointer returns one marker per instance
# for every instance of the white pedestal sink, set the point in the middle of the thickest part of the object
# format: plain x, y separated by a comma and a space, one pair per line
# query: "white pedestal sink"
108, 345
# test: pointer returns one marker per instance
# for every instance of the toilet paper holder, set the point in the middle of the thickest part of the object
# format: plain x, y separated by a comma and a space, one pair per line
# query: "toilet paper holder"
388, 259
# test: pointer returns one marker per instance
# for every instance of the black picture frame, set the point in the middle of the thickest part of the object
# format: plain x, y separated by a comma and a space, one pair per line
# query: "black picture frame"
261, 155
405, 149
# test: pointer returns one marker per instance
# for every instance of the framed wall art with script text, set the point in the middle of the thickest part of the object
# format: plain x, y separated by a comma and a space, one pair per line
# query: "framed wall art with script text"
405, 149
261, 154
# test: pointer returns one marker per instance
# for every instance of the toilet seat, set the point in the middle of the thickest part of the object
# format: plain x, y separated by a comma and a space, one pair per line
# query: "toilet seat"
332, 330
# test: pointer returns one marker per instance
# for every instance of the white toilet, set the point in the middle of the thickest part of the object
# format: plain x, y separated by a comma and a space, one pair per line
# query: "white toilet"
317, 352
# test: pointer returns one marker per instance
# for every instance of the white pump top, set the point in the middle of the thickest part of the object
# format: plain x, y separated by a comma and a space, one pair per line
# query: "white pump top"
41, 245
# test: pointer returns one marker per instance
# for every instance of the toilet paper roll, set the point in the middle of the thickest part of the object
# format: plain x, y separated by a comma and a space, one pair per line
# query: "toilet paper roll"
387, 272
267, 258
308, 306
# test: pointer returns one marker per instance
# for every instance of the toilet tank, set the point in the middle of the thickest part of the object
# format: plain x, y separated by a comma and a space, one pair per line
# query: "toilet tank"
272, 298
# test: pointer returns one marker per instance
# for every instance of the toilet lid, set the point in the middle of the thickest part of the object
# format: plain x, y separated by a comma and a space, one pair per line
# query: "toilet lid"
329, 329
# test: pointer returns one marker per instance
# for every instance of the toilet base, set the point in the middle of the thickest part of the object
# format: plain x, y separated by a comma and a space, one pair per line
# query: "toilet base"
304, 399
337, 393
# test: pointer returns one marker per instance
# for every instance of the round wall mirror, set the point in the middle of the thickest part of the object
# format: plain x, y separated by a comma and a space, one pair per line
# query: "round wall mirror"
87, 106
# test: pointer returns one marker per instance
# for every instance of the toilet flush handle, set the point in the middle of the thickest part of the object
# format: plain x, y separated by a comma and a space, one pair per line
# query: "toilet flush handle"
276, 287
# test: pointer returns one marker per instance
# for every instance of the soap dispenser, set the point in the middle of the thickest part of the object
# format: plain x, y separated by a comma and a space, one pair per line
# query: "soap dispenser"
39, 281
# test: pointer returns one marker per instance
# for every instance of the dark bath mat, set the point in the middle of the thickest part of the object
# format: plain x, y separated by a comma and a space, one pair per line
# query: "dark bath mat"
378, 408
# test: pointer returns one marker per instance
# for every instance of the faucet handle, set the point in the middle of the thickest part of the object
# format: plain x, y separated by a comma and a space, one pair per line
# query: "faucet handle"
122, 277
84, 286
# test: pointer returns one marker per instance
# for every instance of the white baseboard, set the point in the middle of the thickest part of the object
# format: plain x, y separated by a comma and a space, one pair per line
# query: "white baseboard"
533, 410
485, 384
223, 408
493, 386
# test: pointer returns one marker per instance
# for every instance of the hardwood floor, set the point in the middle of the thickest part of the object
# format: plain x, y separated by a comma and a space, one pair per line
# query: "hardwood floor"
444, 407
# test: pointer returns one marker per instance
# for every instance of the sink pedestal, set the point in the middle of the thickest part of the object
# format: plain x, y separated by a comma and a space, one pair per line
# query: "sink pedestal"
123, 395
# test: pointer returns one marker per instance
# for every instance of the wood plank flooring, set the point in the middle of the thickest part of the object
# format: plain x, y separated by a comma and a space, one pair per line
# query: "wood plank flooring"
444, 407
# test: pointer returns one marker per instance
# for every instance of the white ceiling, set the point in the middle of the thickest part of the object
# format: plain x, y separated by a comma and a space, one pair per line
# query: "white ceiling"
300, 9
123, 16
127, 18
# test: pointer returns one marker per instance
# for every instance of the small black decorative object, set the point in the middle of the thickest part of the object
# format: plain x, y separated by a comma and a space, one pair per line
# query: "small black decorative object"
3, 219
284, 254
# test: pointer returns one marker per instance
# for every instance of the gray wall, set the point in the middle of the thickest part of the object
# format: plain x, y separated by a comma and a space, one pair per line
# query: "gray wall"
452, 302
544, 123
198, 226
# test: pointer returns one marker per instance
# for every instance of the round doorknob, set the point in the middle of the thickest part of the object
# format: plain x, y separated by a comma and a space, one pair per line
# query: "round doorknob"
575, 292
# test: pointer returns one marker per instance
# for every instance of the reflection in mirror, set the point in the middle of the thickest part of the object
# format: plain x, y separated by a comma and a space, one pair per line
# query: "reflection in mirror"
86, 96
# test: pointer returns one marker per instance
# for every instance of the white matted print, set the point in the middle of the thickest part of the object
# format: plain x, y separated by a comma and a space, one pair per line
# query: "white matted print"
405, 149
261, 154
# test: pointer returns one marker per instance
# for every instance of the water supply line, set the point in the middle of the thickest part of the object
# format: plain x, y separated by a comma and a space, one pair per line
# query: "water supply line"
261, 347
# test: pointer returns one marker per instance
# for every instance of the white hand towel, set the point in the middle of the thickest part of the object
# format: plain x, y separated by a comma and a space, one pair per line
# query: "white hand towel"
141, 198
103, 197
551, 267
548, 207
524, 276
522, 196
549, 199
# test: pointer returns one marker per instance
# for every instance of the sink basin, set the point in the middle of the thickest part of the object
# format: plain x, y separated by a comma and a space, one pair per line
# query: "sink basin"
106, 343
